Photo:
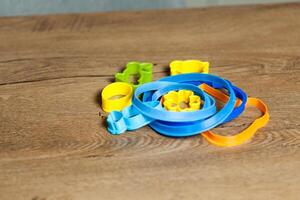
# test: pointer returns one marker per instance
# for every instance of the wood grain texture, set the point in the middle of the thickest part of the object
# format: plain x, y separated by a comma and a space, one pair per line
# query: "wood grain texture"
54, 145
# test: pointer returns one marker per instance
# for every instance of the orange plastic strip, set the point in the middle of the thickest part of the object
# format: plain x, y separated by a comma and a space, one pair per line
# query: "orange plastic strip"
218, 94
240, 138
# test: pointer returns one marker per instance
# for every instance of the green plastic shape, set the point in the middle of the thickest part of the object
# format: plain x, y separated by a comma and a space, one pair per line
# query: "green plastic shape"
141, 71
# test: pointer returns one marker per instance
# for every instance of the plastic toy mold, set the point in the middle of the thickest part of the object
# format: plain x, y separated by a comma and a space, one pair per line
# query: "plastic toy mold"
143, 71
183, 100
188, 66
116, 96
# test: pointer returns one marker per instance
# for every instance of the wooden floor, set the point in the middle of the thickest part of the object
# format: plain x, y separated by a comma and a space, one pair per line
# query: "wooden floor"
54, 145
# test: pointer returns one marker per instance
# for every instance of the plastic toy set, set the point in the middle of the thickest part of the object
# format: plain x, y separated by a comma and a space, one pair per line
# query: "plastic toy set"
180, 105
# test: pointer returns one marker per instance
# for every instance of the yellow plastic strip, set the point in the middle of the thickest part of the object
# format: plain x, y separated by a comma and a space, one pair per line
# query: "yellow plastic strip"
116, 96
240, 138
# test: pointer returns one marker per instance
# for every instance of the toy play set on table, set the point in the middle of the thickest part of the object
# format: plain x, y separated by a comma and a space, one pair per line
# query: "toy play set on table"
180, 105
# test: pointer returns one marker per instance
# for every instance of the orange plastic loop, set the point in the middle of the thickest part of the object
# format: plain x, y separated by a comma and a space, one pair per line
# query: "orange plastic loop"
240, 138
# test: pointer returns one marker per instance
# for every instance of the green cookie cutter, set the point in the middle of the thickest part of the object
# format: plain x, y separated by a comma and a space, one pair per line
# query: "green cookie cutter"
142, 71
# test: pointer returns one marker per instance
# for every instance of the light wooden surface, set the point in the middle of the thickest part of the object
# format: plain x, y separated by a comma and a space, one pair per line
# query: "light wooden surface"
54, 145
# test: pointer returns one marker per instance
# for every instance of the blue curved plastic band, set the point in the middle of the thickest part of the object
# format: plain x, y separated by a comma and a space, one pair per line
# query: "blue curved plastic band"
192, 128
239, 109
207, 110
238, 92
